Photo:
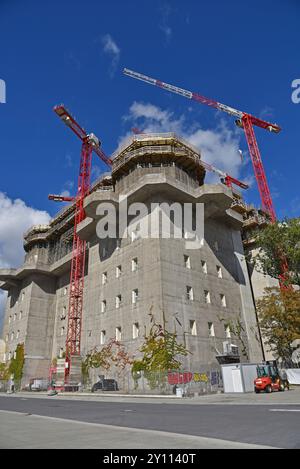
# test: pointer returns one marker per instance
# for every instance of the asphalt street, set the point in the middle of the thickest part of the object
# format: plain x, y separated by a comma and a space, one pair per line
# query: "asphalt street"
268, 425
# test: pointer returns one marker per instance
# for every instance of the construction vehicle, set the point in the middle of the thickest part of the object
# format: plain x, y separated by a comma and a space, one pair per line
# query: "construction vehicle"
268, 378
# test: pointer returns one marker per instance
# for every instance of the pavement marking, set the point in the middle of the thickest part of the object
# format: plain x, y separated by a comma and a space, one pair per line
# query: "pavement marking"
209, 440
284, 410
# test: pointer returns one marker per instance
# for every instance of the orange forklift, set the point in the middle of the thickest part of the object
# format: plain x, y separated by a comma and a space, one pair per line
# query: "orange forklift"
268, 378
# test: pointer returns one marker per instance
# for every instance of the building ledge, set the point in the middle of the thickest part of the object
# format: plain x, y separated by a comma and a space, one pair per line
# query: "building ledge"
12, 277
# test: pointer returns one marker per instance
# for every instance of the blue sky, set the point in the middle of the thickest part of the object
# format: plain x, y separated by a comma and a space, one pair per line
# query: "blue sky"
71, 52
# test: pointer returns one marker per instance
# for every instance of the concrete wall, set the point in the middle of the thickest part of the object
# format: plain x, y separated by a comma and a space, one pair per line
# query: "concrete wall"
161, 279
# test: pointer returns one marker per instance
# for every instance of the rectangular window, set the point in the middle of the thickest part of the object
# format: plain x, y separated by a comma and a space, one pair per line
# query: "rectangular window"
118, 334
204, 267
23, 296
227, 332
18, 334
62, 331
65, 291
102, 337
189, 293
103, 306
134, 264
63, 313
118, 271
211, 330
193, 328
135, 330
118, 301
135, 296
104, 278
135, 235
219, 272
15, 316
207, 296
223, 300
20, 314
187, 262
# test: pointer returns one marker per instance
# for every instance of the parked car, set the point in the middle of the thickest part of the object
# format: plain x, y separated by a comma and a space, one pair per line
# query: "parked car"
105, 385
39, 385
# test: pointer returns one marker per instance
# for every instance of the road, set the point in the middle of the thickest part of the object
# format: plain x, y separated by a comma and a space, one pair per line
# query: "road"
45, 422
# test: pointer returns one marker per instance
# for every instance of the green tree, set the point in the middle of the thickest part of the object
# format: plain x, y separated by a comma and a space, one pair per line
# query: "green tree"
17, 363
279, 318
161, 352
111, 354
4, 372
278, 241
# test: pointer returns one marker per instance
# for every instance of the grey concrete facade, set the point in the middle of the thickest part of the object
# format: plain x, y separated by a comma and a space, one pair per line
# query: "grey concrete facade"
198, 292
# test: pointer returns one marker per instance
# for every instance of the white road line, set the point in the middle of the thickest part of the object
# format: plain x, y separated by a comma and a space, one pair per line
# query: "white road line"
284, 410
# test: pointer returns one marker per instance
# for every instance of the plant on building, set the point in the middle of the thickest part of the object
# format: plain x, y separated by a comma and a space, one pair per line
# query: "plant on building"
54, 362
4, 372
236, 327
161, 352
112, 354
17, 363
278, 241
279, 317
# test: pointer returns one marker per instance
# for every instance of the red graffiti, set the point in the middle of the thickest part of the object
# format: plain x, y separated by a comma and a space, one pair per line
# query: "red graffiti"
180, 378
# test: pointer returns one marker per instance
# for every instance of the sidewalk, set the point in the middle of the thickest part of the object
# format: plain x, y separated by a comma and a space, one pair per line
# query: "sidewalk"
291, 397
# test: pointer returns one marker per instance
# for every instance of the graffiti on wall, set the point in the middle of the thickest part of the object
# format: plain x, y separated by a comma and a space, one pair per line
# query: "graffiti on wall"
213, 378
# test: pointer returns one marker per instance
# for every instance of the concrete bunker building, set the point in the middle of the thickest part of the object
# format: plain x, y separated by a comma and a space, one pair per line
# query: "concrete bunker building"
198, 292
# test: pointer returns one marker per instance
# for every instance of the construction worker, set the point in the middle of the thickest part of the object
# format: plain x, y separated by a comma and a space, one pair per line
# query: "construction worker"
284, 378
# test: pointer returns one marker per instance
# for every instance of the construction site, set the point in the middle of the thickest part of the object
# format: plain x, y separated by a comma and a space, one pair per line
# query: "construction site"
75, 292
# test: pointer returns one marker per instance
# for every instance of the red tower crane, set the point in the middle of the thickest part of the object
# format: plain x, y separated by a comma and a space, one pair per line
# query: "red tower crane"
243, 119
90, 143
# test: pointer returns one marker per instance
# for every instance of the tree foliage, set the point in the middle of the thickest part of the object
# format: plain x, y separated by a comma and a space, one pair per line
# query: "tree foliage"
4, 372
279, 317
17, 363
238, 330
161, 352
113, 353
280, 240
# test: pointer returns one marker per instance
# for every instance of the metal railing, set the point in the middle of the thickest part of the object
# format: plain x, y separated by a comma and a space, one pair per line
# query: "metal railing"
155, 149
154, 137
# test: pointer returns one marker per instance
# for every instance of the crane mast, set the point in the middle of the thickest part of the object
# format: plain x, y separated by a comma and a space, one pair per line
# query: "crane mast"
90, 143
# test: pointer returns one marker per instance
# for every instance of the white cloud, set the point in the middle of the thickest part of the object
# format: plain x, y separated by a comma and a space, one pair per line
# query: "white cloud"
15, 218
111, 48
218, 146
67, 188
164, 25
